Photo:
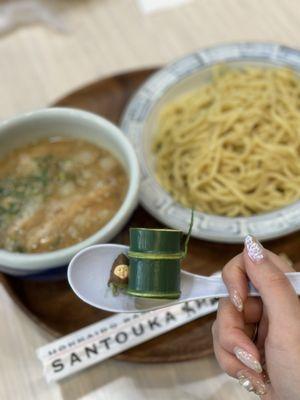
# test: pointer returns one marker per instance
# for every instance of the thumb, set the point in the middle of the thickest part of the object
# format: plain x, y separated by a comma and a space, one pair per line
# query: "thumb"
277, 293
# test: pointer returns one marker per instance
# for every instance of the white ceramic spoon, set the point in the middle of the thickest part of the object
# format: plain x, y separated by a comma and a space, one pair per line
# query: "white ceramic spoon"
89, 272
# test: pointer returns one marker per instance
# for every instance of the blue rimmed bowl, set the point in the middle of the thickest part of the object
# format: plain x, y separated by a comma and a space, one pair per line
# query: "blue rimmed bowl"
140, 119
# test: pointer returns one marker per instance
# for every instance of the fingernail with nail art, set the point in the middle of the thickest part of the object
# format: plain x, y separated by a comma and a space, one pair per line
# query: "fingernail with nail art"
251, 383
236, 299
254, 249
247, 359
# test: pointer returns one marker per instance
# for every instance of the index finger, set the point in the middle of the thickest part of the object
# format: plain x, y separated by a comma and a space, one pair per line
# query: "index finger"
236, 280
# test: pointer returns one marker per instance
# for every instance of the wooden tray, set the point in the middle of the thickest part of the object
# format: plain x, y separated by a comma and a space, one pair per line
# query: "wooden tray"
52, 304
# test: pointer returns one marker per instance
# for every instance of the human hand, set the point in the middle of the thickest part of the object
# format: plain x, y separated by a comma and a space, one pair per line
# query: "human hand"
276, 315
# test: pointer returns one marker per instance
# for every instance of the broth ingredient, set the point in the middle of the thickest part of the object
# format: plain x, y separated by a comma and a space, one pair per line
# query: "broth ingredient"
57, 192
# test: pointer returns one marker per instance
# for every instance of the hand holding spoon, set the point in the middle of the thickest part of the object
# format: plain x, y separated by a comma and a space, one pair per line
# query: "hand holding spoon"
89, 271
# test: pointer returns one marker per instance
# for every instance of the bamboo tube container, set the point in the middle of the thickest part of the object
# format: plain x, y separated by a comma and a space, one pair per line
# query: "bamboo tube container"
154, 262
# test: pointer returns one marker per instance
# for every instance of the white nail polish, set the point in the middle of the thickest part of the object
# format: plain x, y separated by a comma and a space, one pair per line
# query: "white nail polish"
254, 249
247, 359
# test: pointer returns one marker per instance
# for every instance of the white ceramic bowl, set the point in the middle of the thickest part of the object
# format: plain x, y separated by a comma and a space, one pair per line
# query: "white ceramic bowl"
74, 123
139, 122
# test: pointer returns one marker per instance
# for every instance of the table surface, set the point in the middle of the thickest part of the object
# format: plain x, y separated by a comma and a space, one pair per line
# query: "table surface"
103, 37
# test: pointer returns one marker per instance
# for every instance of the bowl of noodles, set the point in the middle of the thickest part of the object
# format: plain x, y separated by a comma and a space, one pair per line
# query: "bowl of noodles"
219, 131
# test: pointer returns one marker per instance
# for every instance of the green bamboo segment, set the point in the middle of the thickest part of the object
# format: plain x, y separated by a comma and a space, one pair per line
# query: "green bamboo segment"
155, 240
154, 263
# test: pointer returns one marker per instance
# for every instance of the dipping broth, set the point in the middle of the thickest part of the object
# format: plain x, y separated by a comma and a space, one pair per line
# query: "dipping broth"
57, 192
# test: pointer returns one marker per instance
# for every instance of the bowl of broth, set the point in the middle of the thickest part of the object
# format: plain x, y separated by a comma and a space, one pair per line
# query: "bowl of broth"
68, 179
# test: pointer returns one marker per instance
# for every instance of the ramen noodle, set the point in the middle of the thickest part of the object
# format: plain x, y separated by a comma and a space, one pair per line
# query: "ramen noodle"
232, 146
